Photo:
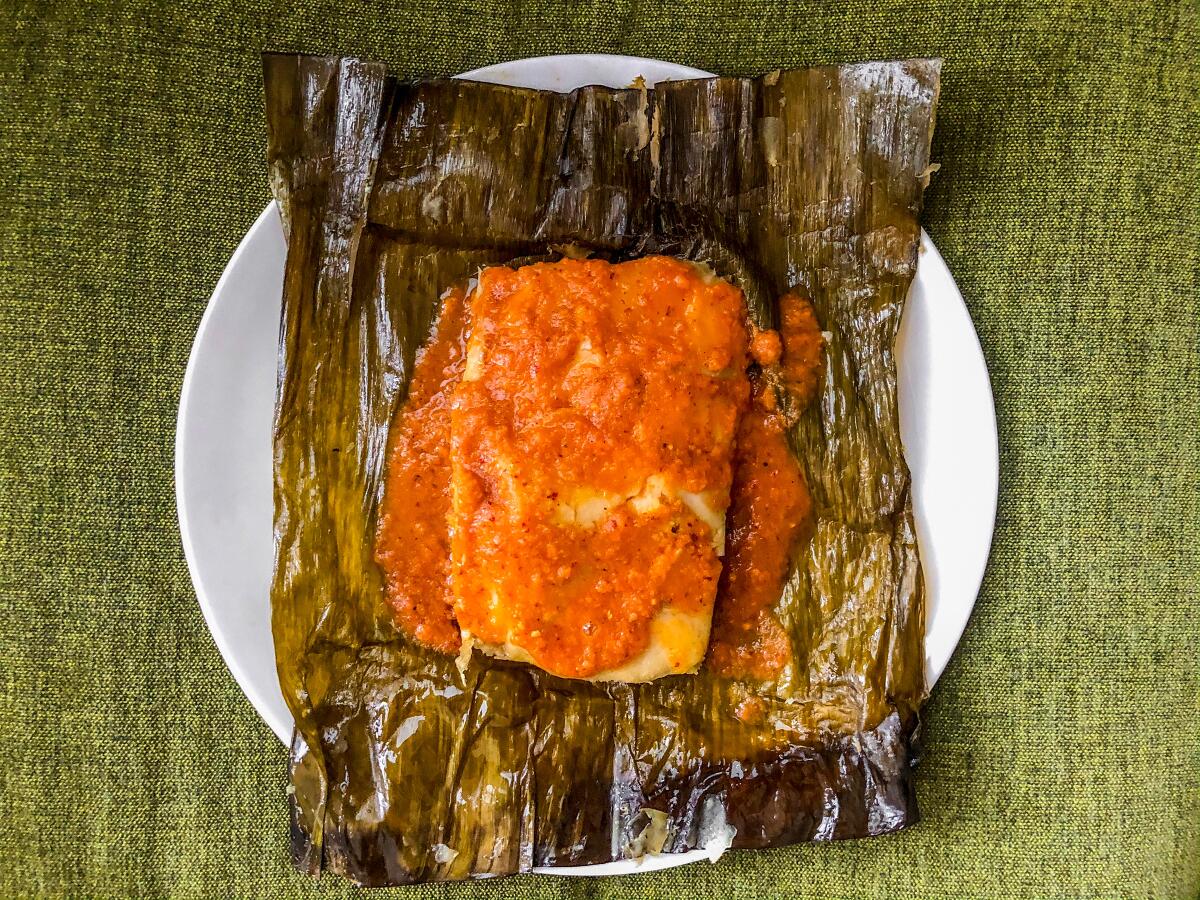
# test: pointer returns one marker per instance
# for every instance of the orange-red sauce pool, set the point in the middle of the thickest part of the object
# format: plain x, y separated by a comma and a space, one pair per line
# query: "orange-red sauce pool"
412, 545
769, 512
770, 509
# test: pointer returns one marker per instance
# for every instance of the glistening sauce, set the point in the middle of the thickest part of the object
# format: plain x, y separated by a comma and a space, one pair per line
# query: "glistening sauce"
412, 545
771, 509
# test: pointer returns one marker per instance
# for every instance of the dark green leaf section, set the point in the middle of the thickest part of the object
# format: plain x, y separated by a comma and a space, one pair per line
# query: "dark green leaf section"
405, 769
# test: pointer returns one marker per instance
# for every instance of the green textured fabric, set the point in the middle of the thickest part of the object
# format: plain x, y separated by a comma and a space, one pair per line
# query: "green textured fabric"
1063, 743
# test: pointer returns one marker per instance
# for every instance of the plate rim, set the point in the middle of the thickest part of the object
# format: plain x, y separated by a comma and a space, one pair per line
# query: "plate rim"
607, 58
279, 726
934, 672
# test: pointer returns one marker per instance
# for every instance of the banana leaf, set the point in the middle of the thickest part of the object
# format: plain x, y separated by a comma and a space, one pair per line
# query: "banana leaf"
403, 768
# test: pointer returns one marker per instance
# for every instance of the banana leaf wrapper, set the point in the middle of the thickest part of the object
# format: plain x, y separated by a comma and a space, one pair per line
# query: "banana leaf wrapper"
405, 769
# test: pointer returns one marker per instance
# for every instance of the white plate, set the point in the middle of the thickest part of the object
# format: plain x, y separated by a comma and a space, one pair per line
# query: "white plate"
223, 443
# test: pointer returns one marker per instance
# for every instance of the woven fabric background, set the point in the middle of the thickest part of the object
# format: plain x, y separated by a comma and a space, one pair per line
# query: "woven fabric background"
1063, 743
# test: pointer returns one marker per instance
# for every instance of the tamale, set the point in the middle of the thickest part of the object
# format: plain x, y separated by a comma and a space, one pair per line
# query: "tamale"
592, 437
806, 182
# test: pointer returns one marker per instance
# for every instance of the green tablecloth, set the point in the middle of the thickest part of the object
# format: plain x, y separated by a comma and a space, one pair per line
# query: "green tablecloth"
1063, 744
